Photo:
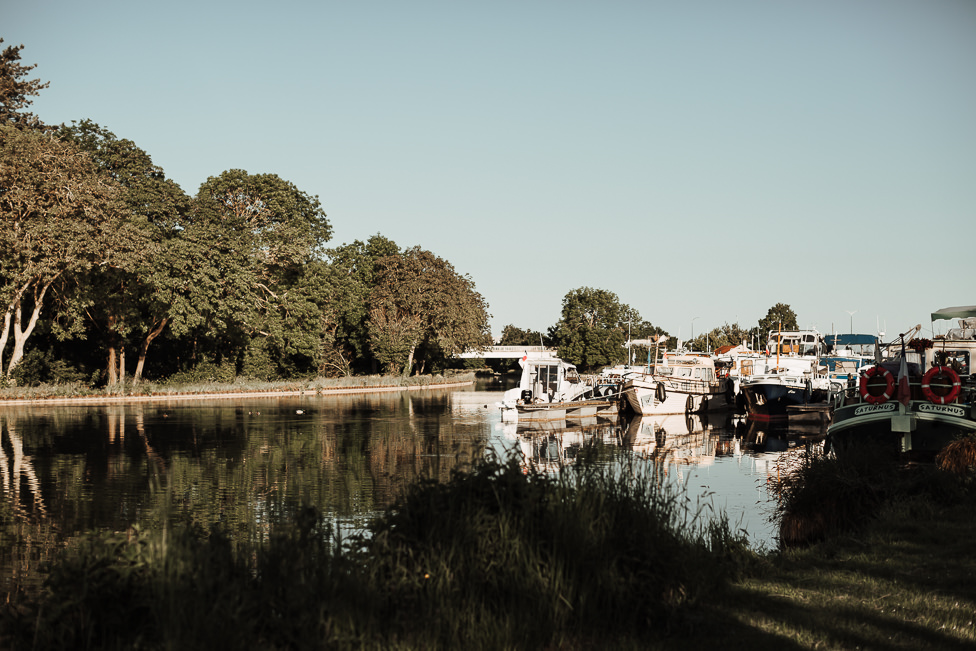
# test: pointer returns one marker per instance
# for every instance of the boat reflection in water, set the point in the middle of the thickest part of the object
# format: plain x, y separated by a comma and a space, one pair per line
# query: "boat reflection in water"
682, 439
759, 436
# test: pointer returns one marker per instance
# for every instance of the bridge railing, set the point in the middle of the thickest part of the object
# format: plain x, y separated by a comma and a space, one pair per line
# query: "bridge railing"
509, 352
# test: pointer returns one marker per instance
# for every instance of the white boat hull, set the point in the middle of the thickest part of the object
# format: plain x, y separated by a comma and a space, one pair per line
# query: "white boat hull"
644, 398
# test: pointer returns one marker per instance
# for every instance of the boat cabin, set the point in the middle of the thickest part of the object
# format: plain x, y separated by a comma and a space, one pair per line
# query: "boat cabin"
795, 342
548, 380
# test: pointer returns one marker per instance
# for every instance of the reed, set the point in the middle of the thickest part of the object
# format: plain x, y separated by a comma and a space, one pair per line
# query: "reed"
959, 457
825, 496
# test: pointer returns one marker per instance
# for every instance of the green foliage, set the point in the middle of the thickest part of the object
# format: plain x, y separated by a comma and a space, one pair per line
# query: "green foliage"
513, 336
59, 217
779, 316
15, 92
204, 373
420, 302
725, 335
594, 327
41, 366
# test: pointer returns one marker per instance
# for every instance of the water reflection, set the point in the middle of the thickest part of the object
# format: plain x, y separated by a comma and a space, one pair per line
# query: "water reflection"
248, 463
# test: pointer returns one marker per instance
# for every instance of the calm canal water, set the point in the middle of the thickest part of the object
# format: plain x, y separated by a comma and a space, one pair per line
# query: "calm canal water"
248, 462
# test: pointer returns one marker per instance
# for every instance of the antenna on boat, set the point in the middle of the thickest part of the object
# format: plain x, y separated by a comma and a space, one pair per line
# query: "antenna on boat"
881, 333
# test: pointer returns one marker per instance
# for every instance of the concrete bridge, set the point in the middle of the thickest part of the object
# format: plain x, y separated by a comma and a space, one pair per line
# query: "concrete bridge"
510, 352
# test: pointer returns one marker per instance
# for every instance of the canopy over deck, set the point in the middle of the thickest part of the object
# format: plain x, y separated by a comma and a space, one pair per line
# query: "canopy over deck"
850, 340
961, 312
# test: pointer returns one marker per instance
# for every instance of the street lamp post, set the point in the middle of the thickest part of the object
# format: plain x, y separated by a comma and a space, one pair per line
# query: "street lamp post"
852, 319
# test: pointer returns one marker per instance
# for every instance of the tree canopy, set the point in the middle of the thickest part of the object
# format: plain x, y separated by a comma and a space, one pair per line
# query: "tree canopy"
60, 217
594, 327
419, 302
779, 316
15, 91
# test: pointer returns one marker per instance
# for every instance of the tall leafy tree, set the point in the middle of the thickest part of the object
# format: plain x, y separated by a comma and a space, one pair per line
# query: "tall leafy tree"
592, 328
15, 90
419, 302
135, 299
779, 316
346, 282
515, 336
59, 217
250, 237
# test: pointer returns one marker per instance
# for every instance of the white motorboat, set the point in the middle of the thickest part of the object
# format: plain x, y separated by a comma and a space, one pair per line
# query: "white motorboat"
679, 384
552, 389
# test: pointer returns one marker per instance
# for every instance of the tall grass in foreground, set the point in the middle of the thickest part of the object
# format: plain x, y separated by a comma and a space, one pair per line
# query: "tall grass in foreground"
827, 496
498, 557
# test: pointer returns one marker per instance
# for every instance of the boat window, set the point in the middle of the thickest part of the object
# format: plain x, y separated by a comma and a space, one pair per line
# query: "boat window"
550, 377
957, 360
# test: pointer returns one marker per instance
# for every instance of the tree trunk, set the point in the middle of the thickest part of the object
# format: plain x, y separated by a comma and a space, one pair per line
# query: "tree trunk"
112, 377
144, 350
6, 332
21, 334
409, 366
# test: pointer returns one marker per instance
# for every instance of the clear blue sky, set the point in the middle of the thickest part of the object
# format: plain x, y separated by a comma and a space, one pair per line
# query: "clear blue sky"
702, 160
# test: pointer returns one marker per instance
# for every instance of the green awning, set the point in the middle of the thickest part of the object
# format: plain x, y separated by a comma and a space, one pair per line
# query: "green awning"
961, 312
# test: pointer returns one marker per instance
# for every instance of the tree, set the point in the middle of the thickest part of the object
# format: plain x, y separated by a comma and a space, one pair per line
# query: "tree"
59, 217
15, 92
513, 336
593, 328
643, 330
248, 241
135, 299
420, 302
725, 335
779, 317
345, 283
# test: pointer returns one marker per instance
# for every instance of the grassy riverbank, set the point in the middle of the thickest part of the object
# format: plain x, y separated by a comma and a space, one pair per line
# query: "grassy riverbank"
215, 387
504, 557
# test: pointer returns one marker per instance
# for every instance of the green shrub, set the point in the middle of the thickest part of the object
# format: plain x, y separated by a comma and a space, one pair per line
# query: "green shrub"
39, 367
204, 373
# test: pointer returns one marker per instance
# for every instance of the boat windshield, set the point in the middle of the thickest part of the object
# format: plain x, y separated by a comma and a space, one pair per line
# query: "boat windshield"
545, 379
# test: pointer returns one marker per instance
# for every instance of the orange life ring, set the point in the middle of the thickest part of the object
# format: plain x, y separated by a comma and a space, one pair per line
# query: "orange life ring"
927, 385
889, 385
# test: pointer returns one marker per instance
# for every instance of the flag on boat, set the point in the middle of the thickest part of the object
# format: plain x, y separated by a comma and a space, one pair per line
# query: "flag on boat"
904, 390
